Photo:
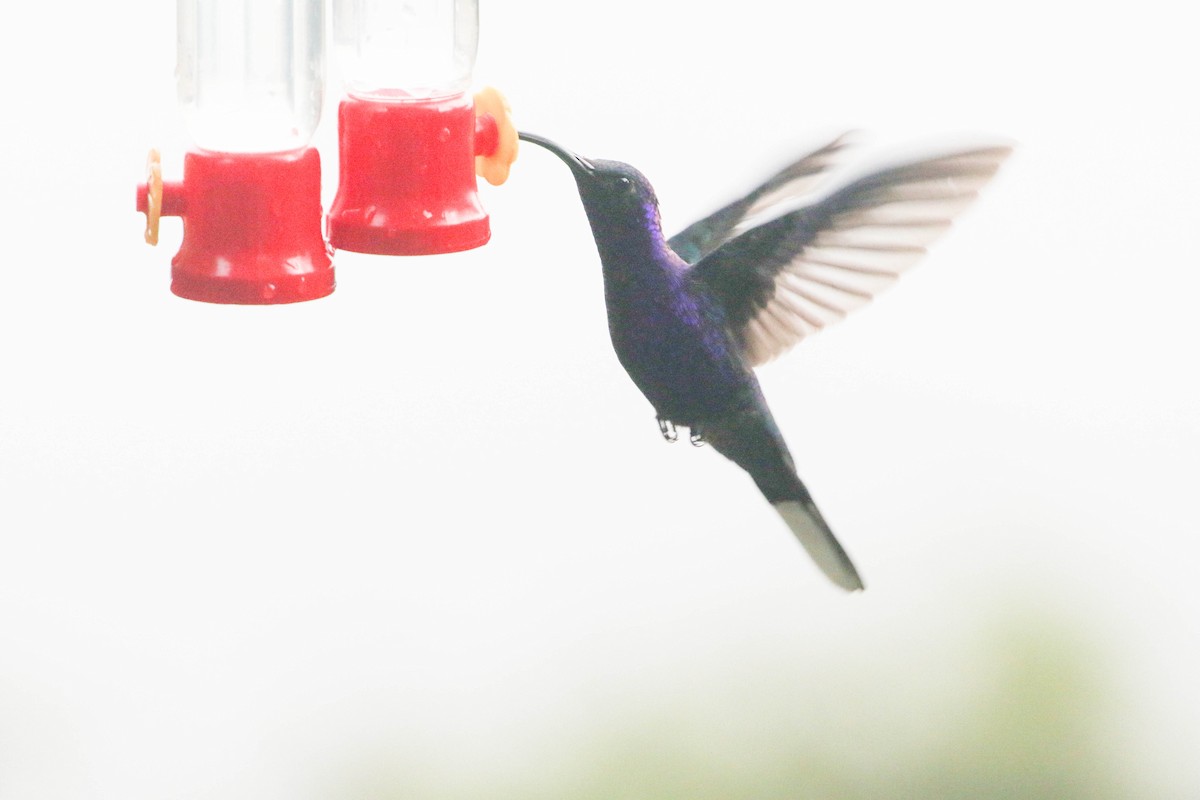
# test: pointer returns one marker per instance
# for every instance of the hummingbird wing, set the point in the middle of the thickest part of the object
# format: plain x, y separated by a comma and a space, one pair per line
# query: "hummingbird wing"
793, 181
792, 276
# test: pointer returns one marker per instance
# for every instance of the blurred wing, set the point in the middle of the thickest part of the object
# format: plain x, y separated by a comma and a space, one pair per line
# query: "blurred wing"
794, 181
792, 276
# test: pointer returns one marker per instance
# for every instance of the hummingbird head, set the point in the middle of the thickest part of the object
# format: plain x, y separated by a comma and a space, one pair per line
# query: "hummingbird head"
612, 191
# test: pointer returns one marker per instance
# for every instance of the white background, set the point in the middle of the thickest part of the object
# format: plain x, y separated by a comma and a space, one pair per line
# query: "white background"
242, 549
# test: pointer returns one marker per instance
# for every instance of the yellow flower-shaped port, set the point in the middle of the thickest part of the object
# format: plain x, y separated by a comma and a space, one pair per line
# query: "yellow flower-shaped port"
494, 166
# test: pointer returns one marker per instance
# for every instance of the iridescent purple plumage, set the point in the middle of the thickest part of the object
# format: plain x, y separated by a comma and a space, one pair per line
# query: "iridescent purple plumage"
689, 317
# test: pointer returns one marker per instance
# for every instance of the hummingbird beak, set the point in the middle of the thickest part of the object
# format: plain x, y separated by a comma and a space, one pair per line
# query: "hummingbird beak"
579, 166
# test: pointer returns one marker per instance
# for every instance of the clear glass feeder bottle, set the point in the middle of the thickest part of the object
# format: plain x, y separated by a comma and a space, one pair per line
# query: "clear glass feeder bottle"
251, 77
408, 132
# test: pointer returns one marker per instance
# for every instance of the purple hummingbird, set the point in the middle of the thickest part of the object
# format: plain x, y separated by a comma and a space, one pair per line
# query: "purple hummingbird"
690, 316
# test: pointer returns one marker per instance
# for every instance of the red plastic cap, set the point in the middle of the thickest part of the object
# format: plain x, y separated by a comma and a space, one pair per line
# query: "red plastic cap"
252, 230
407, 178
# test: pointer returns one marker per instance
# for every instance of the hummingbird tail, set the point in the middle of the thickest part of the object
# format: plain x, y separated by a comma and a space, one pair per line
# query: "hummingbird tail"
818, 540
753, 442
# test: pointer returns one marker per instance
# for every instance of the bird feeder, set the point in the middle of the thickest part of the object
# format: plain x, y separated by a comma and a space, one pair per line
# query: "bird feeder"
410, 138
251, 84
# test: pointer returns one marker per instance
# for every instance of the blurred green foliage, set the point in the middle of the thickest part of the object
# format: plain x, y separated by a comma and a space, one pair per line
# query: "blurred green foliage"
1023, 713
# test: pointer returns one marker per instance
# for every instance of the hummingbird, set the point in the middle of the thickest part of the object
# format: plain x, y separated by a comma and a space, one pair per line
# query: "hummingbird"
691, 316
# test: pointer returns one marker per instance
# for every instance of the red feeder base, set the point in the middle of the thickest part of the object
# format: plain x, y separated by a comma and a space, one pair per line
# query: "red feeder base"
251, 228
407, 178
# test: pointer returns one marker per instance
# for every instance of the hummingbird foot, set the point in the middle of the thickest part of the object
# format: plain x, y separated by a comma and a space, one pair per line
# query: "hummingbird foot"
697, 437
667, 429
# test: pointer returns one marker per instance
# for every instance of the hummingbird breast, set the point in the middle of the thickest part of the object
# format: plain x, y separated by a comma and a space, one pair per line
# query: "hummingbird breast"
675, 346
